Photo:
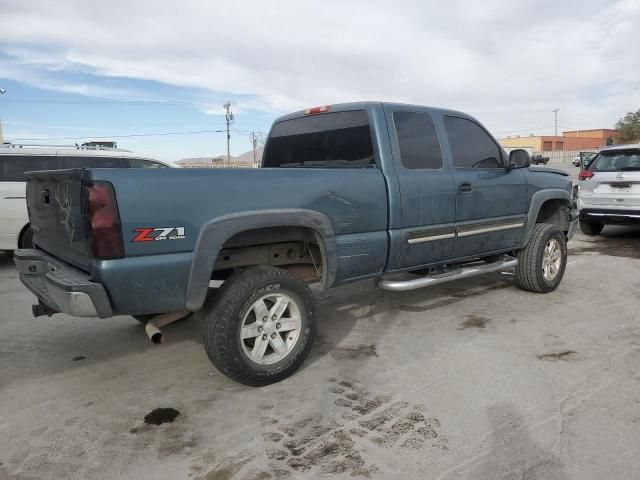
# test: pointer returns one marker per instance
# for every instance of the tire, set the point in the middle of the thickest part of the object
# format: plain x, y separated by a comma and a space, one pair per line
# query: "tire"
531, 274
26, 241
241, 301
591, 229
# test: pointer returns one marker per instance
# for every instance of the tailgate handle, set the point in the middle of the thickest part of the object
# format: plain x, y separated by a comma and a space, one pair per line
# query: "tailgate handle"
46, 196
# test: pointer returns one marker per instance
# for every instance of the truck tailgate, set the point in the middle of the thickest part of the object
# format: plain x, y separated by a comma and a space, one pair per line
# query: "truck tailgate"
54, 203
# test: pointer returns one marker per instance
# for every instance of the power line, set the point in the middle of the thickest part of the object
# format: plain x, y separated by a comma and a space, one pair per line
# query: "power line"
160, 134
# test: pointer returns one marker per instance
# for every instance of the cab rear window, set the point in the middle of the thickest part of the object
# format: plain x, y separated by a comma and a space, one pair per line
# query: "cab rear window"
339, 139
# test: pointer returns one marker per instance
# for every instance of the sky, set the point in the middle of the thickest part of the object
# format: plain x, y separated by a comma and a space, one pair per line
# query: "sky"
76, 70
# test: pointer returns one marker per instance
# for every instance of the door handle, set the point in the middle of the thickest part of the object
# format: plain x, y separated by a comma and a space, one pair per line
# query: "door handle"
465, 187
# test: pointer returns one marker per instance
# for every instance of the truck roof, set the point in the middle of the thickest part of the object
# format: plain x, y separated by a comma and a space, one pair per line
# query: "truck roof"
340, 107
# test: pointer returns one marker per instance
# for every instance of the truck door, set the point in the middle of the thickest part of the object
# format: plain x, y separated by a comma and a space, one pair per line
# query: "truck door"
491, 201
425, 231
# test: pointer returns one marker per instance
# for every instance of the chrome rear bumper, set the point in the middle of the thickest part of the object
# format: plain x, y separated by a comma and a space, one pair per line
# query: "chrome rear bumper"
60, 286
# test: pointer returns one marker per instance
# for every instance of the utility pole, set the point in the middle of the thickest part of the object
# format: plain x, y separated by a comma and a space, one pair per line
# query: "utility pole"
555, 111
229, 119
254, 144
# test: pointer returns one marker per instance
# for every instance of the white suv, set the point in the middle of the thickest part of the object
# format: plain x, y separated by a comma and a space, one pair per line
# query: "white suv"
609, 189
15, 160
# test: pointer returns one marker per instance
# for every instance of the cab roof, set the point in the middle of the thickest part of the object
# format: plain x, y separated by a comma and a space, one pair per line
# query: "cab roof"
364, 105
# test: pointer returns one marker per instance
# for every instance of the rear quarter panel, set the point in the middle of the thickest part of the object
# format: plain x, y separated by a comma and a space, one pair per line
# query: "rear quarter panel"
154, 274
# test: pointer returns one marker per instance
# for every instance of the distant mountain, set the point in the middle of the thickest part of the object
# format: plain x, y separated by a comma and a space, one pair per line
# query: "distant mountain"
244, 160
247, 157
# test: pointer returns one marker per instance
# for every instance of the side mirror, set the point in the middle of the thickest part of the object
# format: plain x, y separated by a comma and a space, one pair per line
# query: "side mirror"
519, 158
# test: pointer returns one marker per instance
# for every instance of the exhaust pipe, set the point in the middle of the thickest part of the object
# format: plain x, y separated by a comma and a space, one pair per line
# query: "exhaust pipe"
152, 327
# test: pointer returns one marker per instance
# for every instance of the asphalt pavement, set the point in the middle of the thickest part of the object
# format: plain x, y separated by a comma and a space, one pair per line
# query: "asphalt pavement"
473, 379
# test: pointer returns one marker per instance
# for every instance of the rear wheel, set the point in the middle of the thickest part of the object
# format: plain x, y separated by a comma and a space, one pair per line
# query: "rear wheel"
260, 326
590, 228
542, 262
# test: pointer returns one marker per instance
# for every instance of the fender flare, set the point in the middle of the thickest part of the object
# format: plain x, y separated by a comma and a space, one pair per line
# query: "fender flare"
537, 200
216, 232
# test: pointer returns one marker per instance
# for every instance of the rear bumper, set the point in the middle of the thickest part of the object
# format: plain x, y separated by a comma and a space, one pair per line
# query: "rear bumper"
60, 286
619, 216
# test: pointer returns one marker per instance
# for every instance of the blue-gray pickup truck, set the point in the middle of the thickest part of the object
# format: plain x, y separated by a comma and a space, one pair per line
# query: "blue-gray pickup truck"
408, 195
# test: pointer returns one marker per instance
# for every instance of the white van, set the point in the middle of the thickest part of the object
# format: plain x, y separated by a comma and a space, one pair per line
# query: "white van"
15, 160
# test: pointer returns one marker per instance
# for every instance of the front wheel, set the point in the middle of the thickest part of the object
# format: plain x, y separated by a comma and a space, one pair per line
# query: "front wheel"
260, 326
542, 262
591, 229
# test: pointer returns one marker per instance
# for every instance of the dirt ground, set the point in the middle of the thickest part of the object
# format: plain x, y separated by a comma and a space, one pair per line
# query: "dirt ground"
473, 379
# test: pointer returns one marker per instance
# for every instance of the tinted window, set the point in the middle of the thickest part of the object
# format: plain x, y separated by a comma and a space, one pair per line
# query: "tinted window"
12, 167
471, 147
92, 162
417, 139
341, 139
616, 161
139, 163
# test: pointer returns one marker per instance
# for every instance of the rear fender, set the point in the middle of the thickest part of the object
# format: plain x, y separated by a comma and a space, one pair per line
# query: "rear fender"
215, 233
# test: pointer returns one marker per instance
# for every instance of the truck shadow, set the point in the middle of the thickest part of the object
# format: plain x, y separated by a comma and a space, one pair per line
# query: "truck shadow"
38, 347
6, 260
374, 312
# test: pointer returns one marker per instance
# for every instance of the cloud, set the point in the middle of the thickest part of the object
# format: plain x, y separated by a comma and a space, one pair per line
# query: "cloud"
514, 59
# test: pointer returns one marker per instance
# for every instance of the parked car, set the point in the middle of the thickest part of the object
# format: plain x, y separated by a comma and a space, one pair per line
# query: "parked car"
609, 189
347, 192
538, 159
15, 160
582, 159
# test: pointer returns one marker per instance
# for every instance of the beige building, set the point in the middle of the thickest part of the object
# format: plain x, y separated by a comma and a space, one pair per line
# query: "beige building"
570, 140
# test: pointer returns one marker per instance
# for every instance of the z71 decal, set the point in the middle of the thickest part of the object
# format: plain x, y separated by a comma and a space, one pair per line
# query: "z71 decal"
158, 233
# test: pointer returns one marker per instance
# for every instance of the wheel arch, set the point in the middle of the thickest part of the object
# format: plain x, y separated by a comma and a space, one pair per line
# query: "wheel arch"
214, 234
548, 206
23, 230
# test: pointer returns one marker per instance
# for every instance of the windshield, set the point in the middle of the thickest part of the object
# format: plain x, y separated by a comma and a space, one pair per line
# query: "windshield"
616, 161
340, 139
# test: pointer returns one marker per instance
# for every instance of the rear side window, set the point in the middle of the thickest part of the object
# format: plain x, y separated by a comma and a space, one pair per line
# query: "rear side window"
92, 162
12, 167
616, 161
340, 139
140, 163
471, 146
418, 140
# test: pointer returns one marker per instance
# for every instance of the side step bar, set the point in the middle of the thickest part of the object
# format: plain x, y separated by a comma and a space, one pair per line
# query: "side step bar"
457, 274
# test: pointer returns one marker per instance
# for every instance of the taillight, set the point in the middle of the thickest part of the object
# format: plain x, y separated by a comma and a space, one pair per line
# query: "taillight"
316, 110
102, 221
585, 175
